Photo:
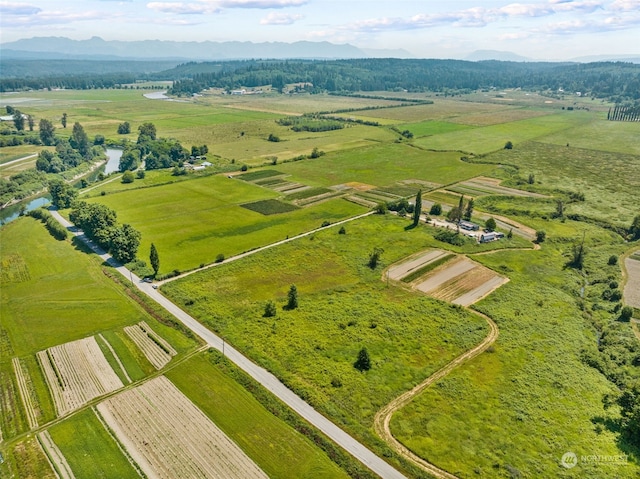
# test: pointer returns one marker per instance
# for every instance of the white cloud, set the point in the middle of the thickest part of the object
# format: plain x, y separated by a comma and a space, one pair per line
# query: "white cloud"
262, 4
7, 8
183, 8
280, 19
626, 5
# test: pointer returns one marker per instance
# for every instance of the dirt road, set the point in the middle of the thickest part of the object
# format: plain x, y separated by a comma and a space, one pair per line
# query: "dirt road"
383, 417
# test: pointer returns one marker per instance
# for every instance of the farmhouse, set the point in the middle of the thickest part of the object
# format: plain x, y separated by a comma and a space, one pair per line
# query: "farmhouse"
490, 236
468, 225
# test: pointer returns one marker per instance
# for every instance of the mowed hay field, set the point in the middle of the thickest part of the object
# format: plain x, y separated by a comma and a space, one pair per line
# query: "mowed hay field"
193, 222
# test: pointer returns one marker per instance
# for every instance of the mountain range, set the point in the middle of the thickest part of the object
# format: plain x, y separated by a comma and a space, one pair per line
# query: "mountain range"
98, 49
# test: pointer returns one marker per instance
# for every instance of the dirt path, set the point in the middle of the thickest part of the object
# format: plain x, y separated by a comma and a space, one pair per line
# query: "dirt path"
12, 162
383, 417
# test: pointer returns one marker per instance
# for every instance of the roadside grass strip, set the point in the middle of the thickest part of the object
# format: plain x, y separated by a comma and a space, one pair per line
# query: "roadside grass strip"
158, 351
168, 436
632, 287
58, 461
77, 372
26, 388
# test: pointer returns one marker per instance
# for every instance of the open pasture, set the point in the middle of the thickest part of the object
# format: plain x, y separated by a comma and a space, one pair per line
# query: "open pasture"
600, 134
432, 127
77, 372
632, 286
343, 306
260, 434
492, 138
168, 436
69, 295
192, 222
609, 181
383, 165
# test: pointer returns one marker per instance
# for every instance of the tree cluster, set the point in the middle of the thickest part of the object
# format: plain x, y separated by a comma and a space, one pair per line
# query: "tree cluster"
99, 223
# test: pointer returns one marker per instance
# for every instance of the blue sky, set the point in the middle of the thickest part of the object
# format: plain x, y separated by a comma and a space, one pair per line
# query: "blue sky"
541, 29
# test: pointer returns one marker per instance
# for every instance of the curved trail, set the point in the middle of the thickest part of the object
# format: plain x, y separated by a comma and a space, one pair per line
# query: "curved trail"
383, 417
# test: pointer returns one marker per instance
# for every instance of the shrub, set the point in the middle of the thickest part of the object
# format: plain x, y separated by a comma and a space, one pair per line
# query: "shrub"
220, 258
508, 145
450, 236
127, 177
541, 235
613, 260
436, 209
342, 231
626, 313
140, 174
269, 309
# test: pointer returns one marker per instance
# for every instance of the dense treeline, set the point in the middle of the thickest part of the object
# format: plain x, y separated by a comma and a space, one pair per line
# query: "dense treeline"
617, 81
72, 82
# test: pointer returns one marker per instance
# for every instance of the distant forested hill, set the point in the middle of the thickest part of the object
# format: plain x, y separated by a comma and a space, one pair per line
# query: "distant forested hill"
616, 81
603, 80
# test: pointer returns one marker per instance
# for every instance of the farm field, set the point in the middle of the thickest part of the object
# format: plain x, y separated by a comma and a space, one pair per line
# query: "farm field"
77, 372
89, 449
158, 351
168, 436
510, 412
383, 165
492, 138
262, 436
632, 287
192, 222
460, 281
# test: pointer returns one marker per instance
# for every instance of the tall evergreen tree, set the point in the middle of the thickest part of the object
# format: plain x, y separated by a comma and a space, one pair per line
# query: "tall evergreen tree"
64, 120
154, 259
468, 210
363, 363
417, 209
292, 297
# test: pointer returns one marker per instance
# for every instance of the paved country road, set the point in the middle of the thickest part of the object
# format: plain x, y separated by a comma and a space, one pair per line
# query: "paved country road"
264, 377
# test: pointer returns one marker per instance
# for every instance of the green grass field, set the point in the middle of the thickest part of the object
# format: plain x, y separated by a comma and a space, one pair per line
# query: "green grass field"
610, 181
344, 305
514, 408
89, 448
383, 165
279, 450
192, 222
429, 128
70, 297
493, 138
